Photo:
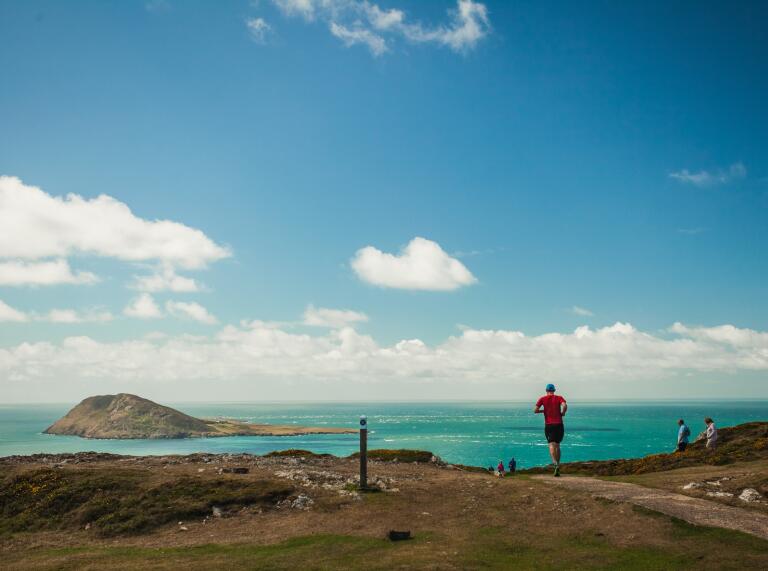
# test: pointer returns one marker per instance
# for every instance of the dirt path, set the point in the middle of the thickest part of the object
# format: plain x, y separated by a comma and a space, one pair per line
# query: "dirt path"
693, 510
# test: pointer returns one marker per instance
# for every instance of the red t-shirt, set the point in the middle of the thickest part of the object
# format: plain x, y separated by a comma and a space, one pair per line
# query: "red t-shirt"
551, 404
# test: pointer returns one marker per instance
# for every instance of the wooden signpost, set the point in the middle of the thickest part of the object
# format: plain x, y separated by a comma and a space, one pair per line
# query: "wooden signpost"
363, 452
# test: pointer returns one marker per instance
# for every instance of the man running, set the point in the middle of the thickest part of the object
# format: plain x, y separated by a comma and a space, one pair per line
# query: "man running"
554, 409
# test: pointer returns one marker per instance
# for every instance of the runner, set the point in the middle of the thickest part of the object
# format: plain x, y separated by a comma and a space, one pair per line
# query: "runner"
554, 408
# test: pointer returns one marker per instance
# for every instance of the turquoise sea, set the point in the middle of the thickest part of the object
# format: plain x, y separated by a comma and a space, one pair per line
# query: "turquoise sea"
475, 433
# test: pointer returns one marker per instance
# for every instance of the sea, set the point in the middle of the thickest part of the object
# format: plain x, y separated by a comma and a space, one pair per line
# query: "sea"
471, 433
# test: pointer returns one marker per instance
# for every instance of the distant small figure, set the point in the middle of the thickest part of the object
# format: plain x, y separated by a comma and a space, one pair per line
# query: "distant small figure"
711, 434
512, 466
500, 469
682, 436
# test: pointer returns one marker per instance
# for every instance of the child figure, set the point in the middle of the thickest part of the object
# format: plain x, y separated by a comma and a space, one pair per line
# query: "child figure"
500, 469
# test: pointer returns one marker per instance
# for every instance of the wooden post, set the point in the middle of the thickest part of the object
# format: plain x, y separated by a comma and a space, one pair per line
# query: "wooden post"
363, 452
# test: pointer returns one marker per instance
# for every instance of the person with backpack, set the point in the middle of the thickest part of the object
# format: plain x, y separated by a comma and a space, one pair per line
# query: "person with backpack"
512, 466
682, 436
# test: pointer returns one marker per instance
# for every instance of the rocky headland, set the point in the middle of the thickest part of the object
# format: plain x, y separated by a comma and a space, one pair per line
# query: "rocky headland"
126, 416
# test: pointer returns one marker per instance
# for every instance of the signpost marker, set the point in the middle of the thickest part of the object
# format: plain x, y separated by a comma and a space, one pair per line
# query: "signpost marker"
363, 452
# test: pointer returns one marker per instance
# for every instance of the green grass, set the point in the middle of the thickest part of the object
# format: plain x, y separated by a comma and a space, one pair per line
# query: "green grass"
120, 501
296, 453
494, 549
401, 455
681, 529
307, 552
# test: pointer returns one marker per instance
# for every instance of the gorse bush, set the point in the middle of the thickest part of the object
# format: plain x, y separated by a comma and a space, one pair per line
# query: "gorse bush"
120, 502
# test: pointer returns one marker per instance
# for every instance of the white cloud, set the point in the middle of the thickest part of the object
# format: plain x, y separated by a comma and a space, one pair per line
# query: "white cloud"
258, 28
359, 35
190, 310
73, 316
20, 273
470, 25
8, 313
36, 225
334, 318
254, 351
143, 307
363, 22
576, 310
303, 8
165, 279
422, 265
706, 178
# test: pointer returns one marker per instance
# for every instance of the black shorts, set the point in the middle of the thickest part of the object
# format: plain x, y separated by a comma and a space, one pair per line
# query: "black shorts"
554, 432
681, 446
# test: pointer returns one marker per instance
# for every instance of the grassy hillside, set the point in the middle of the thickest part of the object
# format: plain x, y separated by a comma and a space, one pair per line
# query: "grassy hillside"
742, 443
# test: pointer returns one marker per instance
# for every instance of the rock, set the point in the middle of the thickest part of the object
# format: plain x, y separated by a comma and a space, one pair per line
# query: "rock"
238, 470
216, 511
750, 495
199, 470
692, 486
183, 528
720, 494
302, 502
87, 526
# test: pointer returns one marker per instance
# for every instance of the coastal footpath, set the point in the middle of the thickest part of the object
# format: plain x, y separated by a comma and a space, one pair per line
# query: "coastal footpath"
295, 509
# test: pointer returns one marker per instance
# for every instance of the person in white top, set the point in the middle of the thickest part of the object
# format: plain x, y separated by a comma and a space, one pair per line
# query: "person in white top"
711, 433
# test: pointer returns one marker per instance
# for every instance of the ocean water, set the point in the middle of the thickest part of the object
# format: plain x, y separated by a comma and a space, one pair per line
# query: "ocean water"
475, 433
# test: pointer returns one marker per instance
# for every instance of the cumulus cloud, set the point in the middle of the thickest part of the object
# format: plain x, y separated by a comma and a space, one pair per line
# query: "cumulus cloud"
74, 316
8, 313
334, 318
256, 350
706, 178
20, 273
143, 307
359, 35
303, 8
365, 23
165, 279
581, 311
258, 28
422, 265
190, 310
35, 225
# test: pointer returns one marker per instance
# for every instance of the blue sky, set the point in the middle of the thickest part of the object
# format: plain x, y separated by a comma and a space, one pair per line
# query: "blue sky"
538, 149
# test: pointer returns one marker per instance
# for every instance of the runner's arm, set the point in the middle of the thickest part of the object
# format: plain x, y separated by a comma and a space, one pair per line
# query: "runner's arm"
563, 408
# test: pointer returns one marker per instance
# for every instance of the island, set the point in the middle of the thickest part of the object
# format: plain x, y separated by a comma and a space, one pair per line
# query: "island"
127, 416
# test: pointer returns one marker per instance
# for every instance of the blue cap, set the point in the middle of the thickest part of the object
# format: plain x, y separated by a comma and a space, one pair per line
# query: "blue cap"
550, 388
